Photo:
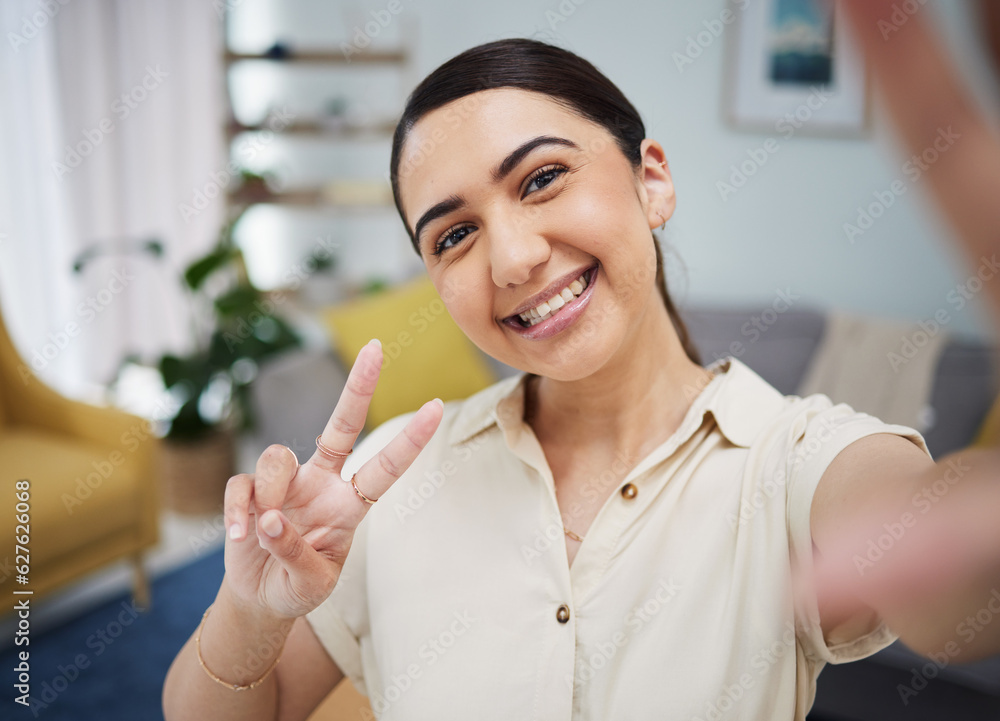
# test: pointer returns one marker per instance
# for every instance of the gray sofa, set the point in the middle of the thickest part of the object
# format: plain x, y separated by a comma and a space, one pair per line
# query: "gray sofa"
964, 387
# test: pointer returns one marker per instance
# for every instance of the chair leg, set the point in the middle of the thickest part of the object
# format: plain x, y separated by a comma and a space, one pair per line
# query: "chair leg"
140, 584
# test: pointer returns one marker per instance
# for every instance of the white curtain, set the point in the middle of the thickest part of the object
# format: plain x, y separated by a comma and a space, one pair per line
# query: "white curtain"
113, 112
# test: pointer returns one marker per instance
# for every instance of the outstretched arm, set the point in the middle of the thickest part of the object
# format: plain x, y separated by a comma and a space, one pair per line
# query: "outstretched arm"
917, 541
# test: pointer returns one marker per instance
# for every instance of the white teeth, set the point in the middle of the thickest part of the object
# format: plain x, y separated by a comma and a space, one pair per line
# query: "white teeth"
544, 311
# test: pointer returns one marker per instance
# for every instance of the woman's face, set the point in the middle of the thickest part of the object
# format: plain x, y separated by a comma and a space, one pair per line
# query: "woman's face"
535, 229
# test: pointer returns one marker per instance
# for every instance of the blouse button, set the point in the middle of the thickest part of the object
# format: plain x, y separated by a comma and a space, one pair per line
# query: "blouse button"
629, 491
562, 615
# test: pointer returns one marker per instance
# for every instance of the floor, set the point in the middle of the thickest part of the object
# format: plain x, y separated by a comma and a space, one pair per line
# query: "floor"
183, 538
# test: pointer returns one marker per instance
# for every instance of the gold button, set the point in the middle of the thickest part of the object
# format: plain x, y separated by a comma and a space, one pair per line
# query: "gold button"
629, 491
562, 615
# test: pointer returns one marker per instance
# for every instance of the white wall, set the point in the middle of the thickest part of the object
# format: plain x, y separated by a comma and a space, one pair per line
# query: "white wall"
785, 227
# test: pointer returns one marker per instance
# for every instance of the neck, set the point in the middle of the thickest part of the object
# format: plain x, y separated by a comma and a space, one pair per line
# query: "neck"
631, 405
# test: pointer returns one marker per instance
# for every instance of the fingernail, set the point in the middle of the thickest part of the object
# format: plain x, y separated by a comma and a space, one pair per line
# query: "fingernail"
271, 525
439, 402
376, 342
235, 531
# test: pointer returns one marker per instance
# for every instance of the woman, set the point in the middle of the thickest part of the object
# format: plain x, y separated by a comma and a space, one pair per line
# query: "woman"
607, 535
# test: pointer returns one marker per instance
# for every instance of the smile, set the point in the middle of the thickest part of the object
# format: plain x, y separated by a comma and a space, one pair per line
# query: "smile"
547, 309
559, 311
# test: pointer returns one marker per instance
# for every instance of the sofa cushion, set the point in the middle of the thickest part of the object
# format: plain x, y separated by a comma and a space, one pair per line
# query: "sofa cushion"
80, 491
425, 354
776, 345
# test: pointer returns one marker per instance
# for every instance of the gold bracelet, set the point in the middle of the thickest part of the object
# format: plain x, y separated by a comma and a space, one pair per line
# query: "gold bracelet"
233, 686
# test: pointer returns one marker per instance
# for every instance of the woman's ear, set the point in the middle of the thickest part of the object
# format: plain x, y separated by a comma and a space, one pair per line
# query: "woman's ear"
661, 200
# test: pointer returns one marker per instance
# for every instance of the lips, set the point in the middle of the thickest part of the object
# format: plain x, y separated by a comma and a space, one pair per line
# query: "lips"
537, 319
549, 307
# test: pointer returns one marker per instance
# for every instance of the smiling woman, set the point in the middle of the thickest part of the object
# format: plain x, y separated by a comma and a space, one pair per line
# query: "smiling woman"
569, 543
455, 101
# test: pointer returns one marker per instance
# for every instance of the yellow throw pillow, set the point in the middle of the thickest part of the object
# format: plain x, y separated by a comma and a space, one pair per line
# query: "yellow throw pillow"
988, 435
424, 354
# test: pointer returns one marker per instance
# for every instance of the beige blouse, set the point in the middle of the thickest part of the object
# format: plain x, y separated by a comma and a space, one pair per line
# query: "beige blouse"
457, 600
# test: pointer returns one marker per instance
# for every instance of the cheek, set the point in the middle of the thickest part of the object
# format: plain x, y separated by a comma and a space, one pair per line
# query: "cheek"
468, 302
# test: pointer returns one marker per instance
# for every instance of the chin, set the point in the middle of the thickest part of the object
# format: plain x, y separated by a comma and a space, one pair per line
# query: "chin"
573, 358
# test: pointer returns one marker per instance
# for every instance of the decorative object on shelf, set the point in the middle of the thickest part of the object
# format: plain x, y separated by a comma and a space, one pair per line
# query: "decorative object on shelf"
793, 69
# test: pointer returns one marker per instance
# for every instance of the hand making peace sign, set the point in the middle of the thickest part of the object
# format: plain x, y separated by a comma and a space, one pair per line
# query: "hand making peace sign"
290, 527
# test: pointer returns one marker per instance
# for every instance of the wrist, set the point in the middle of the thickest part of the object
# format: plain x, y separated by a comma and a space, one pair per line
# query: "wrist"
250, 612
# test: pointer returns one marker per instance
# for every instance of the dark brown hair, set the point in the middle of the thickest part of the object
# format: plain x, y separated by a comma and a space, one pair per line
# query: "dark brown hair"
552, 71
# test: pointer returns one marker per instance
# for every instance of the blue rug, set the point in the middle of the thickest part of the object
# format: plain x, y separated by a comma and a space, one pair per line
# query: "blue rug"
109, 664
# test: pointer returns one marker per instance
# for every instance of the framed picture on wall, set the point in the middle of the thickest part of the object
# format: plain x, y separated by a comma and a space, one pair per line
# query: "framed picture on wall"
793, 69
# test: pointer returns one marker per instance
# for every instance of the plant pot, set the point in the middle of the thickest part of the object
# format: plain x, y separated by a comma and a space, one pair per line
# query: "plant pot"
193, 474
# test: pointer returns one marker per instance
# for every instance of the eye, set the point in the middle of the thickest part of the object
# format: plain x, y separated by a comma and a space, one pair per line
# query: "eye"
452, 237
541, 178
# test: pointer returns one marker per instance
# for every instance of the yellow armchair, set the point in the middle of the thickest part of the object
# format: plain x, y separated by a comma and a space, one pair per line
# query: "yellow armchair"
94, 496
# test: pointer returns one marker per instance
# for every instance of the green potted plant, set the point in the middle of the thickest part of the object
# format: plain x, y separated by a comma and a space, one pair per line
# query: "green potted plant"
210, 386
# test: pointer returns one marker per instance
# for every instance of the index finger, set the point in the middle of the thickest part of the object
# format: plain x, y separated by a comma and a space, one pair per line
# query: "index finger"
352, 408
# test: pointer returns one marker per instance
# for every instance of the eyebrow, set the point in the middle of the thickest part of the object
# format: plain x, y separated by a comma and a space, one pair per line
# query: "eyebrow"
498, 174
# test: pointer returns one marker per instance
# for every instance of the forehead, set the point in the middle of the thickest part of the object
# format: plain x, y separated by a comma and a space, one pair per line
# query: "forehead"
460, 142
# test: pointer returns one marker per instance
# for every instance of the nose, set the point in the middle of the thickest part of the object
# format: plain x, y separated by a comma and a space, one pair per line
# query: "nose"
515, 251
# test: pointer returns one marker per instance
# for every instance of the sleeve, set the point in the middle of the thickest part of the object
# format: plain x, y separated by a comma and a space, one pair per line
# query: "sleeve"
341, 622
818, 434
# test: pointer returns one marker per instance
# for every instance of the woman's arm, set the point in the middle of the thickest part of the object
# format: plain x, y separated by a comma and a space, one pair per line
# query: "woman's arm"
289, 529
917, 541
238, 645
924, 95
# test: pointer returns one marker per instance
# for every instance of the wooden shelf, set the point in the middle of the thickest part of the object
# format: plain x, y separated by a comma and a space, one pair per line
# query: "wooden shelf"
319, 57
315, 129
314, 197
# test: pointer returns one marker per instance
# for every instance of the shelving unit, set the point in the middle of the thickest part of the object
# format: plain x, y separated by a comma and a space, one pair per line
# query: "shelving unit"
356, 194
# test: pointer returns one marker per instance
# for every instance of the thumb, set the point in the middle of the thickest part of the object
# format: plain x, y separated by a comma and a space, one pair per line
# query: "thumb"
306, 568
